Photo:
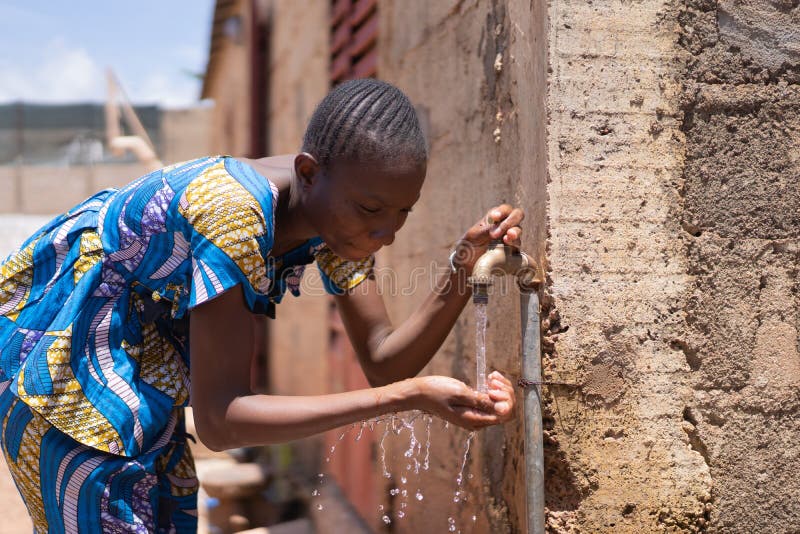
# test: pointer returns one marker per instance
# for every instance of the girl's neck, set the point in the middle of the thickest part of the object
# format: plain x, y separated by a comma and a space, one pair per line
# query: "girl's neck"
291, 224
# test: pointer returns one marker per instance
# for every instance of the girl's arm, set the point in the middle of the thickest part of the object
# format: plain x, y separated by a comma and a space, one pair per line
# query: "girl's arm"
387, 354
227, 413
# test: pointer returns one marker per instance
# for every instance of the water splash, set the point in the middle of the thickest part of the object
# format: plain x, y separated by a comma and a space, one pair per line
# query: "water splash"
459, 495
480, 346
386, 473
460, 478
415, 457
451, 524
341, 437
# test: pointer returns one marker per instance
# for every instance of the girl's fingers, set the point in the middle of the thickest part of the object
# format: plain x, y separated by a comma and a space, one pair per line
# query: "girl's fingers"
499, 395
477, 418
509, 221
478, 400
512, 237
497, 375
502, 408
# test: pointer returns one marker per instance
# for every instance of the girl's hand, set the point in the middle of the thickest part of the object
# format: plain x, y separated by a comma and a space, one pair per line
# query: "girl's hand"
501, 222
456, 402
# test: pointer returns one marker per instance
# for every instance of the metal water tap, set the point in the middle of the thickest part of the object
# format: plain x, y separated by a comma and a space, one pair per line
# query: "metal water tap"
502, 259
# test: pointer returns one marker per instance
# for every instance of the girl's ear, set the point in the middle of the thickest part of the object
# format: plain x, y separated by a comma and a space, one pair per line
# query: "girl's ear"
306, 169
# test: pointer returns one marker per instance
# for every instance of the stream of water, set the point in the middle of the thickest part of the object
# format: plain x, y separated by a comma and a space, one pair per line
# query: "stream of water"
480, 347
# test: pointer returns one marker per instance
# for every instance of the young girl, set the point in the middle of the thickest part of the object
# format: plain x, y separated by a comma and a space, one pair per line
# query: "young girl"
99, 308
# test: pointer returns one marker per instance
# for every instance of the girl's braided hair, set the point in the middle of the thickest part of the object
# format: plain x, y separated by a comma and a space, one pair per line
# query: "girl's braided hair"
365, 120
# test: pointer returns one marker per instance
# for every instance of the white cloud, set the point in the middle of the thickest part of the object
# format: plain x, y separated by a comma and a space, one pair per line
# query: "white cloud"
65, 73
176, 90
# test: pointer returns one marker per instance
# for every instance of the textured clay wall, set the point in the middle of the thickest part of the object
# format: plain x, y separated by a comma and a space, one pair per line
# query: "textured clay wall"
476, 72
673, 263
298, 74
298, 78
742, 219
621, 454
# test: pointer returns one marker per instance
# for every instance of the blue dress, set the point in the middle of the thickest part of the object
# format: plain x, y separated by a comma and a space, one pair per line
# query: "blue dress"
94, 310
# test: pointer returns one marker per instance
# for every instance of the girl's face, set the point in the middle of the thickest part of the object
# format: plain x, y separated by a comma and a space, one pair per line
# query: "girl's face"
357, 209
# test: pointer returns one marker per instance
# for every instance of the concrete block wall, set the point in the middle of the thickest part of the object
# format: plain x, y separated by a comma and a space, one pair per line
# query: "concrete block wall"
742, 118
620, 442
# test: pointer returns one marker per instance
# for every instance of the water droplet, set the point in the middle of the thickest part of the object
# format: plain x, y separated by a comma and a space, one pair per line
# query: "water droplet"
386, 519
401, 514
420, 496
320, 507
315, 493
403, 505
394, 491
380, 508
403, 480
404, 493
474, 518
470, 476
320, 475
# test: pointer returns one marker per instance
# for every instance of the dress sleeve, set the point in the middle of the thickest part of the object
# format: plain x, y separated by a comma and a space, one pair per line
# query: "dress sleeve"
231, 233
339, 275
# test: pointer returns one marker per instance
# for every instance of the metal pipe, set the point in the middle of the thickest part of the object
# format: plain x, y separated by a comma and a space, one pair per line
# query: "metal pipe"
503, 259
532, 410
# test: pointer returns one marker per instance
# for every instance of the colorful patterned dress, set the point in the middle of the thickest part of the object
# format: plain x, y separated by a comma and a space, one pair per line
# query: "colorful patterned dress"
94, 344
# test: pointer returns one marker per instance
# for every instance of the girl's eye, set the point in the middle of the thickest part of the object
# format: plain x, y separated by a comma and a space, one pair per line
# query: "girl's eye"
368, 209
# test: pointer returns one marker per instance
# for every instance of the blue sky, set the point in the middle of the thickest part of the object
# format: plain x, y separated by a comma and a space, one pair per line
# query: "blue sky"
57, 50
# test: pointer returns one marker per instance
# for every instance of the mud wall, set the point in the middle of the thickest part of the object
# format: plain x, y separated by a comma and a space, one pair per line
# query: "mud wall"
621, 449
742, 115
298, 78
476, 71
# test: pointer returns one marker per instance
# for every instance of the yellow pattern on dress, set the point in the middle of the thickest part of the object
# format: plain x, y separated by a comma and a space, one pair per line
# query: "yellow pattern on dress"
345, 274
223, 211
91, 253
26, 467
161, 365
17, 272
68, 409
